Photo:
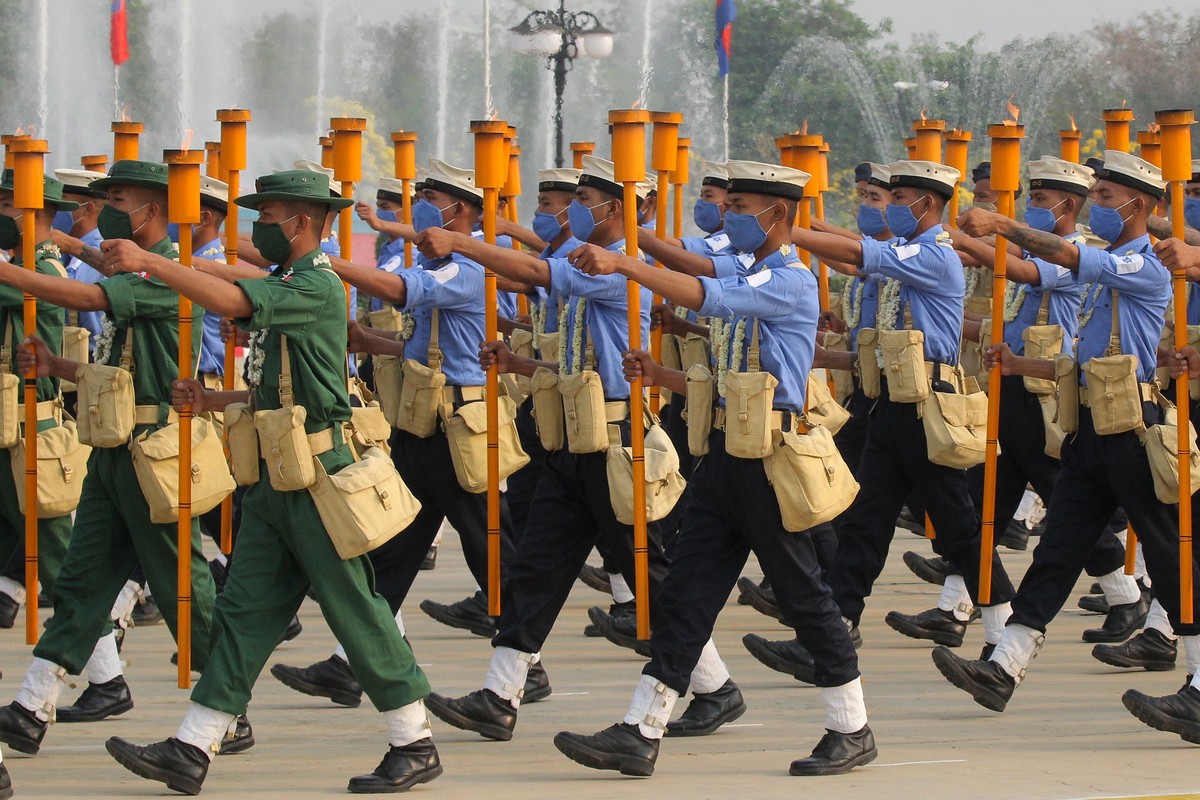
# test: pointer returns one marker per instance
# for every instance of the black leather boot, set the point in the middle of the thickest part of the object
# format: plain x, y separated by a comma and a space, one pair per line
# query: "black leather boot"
1175, 713
537, 684
98, 701
482, 711
786, 656
837, 753
595, 578
620, 612
469, 614
1149, 650
1122, 622
931, 570
20, 729
239, 740
935, 624
330, 678
985, 681
8, 611
621, 747
401, 769
6, 787
179, 765
709, 711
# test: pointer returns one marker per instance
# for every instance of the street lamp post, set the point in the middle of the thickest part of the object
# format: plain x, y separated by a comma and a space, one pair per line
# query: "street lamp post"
561, 36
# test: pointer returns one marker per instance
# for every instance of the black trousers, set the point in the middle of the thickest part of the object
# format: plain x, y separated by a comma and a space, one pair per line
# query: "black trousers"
852, 438
1100, 473
523, 482
425, 466
894, 464
571, 513
732, 511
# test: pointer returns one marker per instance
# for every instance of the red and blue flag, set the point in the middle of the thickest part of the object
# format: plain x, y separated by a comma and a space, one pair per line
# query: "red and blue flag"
726, 12
118, 38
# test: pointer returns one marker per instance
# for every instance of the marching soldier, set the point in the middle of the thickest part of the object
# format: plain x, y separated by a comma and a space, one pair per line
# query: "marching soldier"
1102, 467
298, 317
112, 531
572, 507
732, 508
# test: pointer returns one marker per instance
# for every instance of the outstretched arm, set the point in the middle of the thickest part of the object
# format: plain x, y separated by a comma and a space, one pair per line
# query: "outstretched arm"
75, 295
214, 294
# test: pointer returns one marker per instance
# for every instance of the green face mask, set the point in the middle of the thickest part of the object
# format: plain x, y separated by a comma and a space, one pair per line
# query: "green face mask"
114, 224
270, 240
10, 233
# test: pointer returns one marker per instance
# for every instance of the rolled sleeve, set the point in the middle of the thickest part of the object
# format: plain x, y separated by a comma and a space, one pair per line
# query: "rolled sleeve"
566, 281
1135, 273
288, 304
121, 301
872, 254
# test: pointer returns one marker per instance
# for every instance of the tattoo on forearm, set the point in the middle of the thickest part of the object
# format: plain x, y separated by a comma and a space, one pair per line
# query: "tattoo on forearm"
1041, 244
92, 257
1160, 227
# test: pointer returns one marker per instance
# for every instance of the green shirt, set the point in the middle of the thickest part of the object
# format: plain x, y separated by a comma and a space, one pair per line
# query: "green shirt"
49, 319
152, 309
307, 303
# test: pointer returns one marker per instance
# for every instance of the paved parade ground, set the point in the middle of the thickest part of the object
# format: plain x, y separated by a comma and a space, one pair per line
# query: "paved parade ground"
1065, 735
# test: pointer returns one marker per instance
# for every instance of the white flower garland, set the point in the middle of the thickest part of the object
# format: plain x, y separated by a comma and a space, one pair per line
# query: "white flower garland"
728, 355
852, 304
572, 362
971, 275
681, 312
256, 356
537, 320
887, 312
1014, 298
1084, 316
48, 249
408, 325
320, 260
213, 252
103, 350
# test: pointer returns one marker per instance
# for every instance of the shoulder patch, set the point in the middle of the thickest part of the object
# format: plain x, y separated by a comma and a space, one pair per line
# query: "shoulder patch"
1129, 264
759, 278
446, 273
906, 251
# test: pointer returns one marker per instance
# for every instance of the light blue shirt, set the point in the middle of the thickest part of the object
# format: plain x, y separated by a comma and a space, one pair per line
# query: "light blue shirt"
1065, 298
869, 307
394, 264
1144, 285
1193, 303
605, 317
84, 273
212, 349
782, 295
932, 286
454, 286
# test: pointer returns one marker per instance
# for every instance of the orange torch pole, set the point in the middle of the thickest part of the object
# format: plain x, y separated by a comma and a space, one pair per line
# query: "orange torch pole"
807, 156
404, 149
1006, 178
1117, 122
183, 207
910, 147
679, 181
491, 170
511, 194
28, 164
1068, 144
233, 161
326, 151
347, 168
629, 159
957, 143
94, 163
928, 134
664, 154
1176, 132
125, 140
579, 150
212, 160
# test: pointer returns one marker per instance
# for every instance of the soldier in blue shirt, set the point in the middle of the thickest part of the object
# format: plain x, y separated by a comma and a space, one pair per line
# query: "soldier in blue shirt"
1099, 472
572, 509
732, 508
894, 462
84, 230
1040, 293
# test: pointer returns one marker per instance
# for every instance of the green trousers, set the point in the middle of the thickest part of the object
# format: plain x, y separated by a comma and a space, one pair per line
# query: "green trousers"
113, 533
52, 533
282, 548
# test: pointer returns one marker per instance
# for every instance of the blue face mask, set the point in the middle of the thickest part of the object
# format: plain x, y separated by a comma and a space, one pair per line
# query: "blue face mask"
581, 219
707, 216
871, 221
173, 232
1042, 219
386, 215
901, 219
546, 226
745, 232
427, 215
1191, 211
1107, 223
63, 222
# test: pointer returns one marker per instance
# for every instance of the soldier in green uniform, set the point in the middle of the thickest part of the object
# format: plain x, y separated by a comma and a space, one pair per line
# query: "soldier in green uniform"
113, 531
52, 533
283, 546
